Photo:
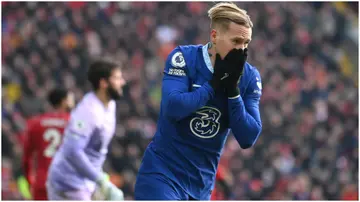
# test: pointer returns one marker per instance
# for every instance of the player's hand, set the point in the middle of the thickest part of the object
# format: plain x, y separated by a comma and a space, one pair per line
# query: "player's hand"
215, 82
109, 190
233, 67
114, 193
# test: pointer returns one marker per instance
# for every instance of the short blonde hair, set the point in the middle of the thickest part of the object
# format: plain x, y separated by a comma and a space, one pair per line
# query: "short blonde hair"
223, 13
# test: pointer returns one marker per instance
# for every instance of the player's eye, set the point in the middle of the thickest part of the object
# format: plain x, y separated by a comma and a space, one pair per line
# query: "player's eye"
236, 42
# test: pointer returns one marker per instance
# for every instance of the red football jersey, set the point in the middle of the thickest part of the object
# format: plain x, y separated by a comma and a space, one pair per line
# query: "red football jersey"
42, 138
216, 194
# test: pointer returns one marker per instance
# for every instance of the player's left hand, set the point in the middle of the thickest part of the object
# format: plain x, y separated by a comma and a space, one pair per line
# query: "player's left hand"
233, 65
109, 190
114, 193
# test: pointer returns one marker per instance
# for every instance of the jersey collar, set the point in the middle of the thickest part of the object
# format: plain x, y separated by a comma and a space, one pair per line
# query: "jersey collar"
206, 57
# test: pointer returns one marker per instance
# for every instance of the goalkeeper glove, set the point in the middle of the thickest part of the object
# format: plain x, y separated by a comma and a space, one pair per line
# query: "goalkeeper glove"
109, 190
233, 67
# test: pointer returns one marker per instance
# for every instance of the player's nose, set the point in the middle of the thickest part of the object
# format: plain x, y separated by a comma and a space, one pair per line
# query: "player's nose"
123, 82
241, 46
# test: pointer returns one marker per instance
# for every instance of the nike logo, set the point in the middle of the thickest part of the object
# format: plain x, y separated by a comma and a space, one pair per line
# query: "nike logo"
225, 76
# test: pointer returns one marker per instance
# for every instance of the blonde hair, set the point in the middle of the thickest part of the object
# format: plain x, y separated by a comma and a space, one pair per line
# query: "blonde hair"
223, 13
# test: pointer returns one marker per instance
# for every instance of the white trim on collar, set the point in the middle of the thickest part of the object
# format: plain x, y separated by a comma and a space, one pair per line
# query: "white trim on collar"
206, 57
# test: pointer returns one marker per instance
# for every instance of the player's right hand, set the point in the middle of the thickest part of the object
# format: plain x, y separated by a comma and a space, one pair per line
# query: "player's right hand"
109, 190
233, 67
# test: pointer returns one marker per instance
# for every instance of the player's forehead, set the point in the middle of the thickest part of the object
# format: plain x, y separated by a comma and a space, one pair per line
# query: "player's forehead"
239, 31
116, 72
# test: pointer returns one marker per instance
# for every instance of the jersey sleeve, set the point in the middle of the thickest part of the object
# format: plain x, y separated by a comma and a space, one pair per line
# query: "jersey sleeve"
177, 99
77, 135
245, 121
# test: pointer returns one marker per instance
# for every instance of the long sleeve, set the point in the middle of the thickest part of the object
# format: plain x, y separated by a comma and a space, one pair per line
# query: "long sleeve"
28, 151
74, 146
177, 101
245, 121
77, 136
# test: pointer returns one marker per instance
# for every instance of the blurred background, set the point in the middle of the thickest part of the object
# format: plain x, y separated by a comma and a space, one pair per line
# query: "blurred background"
307, 55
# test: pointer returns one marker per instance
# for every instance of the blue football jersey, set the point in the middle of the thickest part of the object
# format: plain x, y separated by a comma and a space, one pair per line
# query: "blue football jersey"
194, 123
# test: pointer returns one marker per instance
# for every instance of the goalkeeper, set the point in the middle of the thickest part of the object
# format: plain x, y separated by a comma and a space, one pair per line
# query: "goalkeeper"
76, 170
207, 91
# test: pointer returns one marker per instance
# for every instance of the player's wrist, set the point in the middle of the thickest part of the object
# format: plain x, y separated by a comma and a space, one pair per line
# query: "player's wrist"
109, 190
233, 92
231, 86
102, 178
104, 185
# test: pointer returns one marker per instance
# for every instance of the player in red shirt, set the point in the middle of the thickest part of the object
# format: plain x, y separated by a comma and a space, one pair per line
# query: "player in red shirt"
221, 192
42, 138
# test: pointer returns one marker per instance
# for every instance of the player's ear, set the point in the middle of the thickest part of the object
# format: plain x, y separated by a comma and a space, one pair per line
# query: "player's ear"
213, 36
71, 99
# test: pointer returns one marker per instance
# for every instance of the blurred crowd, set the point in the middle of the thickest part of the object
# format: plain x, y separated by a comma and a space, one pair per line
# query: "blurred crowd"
308, 149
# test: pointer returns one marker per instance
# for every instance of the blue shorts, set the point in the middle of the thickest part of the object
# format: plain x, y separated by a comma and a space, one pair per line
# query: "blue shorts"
157, 187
